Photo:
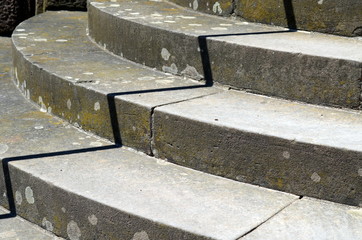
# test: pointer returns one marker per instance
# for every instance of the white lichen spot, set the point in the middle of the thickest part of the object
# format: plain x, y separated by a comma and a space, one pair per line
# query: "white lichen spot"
97, 106
39, 127
360, 172
146, 78
76, 143
216, 8
315, 177
27, 94
47, 225
225, 24
40, 40
165, 54
96, 144
18, 198
191, 72
63, 209
286, 154
93, 220
69, 104
172, 69
219, 28
134, 128
20, 30
320, 2
356, 212
114, 5
169, 21
195, 24
29, 195
49, 109
195, 5
73, 231
162, 162
140, 236
88, 73
188, 17
61, 40
3, 148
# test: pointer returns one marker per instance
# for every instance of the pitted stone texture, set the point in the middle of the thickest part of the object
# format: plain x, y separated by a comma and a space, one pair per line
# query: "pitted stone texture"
78, 189
66, 4
16, 228
310, 67
327, 16
67, 74
310, 219
217, 7
302, 149
12, 12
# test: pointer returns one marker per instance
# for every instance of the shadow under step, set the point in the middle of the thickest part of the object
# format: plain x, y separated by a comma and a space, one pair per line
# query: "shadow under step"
82, 187
310, 67
293, 147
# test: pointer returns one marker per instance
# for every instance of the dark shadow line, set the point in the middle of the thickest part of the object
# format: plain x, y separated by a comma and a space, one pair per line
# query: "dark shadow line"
7, 177
289, 14
248, 33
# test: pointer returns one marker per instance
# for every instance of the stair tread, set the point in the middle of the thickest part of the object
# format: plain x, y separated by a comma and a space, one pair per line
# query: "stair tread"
162, 14
319, 221
263, 115
249, 141
16, 228
48, 149
310, 67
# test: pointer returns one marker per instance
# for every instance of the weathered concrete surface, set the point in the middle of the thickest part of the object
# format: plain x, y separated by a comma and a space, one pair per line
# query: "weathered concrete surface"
302, 149
81, 187
327, 16
310, 67
16, 228
332, 16
58, 67
218, 7
310, 219
12, 12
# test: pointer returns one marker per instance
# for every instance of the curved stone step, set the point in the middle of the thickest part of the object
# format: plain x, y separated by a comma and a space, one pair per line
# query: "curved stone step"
294, 147
81, 187
333, 16
310, 67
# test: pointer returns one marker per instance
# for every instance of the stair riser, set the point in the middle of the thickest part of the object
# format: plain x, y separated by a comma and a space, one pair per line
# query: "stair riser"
302, 169
69, 215
312, 79
333, 16
84, 107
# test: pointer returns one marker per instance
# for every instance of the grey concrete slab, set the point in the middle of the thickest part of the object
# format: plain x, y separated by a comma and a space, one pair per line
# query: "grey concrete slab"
81, 187
303, 149
16, 228
309, 67
311, 219
58, 67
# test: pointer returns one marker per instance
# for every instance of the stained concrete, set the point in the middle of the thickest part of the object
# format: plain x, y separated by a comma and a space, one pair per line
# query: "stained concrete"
293, 147
332, 16
59, 68
82, 187
16, 228
274, 61
310, 219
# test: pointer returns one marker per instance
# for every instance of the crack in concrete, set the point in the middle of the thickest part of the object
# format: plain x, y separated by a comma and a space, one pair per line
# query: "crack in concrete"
152, 119
269, 218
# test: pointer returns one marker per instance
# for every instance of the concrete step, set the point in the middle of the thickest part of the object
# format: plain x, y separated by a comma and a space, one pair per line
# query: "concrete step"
16, 228
82, 187
310, 67
341, 17
298, 148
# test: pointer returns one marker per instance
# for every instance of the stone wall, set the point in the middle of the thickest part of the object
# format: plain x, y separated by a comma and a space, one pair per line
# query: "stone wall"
12, 12
339, 17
